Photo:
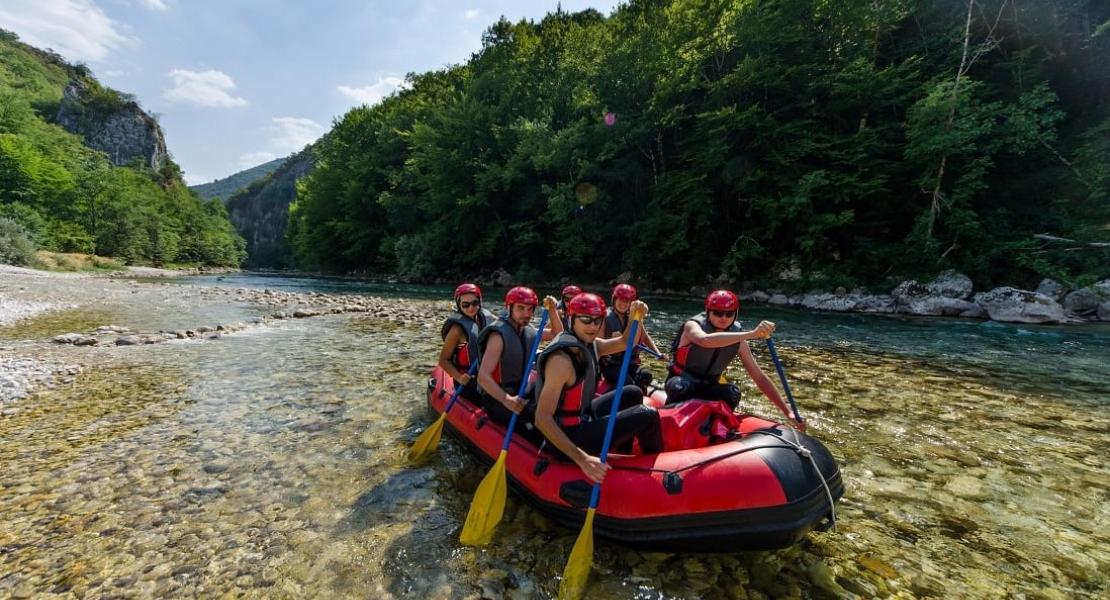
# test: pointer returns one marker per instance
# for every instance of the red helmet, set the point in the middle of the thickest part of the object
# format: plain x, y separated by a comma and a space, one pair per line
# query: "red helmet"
521, 295
468, 288
586, 304
571, 290
722, 300
624, 292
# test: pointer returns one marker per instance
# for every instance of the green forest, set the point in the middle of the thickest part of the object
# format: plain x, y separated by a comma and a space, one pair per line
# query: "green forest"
58, 194
824, 142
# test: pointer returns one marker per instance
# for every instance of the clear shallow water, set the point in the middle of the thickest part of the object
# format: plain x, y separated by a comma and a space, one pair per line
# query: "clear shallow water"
272, 463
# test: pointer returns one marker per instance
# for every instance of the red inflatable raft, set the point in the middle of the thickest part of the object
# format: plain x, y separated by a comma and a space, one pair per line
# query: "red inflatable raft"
764, 488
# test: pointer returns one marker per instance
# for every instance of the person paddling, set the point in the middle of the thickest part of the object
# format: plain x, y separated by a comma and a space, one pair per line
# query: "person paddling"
569, 292
703, 349
567, 413
460, 338
616, 321
504, 346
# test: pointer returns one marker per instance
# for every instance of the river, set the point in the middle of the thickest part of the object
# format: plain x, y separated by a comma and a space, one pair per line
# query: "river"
272, 463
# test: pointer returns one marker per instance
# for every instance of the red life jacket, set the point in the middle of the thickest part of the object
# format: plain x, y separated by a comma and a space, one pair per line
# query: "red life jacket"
467, 351
574, 400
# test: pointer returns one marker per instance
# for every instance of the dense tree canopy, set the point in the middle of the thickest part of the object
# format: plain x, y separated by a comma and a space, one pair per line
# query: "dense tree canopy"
68, 197
832, 142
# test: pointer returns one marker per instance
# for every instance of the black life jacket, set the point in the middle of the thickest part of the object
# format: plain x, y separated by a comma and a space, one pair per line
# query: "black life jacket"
467, 352
514, 352
613, 325
706, 364
574, 401
561, 309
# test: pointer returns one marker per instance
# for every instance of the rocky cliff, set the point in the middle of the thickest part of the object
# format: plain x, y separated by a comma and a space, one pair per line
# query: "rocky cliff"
112, 123
261, 211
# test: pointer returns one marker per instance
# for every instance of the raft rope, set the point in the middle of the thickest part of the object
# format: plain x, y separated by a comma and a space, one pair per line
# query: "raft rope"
796, 445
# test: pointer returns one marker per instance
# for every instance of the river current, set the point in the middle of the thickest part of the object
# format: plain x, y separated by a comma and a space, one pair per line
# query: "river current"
272, 463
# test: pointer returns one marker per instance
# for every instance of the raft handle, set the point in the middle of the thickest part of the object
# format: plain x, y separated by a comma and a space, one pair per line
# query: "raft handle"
672, 482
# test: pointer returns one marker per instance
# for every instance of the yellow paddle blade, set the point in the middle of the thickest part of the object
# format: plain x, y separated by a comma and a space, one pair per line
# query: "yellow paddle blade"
578, 565
425, 445
487, 507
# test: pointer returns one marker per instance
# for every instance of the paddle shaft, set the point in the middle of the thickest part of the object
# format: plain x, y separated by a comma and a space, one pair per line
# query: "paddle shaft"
524, 379
458, 388
782, 377
648, 351
595, 494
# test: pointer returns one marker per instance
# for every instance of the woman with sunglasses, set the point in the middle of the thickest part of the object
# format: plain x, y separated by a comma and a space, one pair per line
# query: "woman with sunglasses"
567, 413
460, 337
705, 346
616, 320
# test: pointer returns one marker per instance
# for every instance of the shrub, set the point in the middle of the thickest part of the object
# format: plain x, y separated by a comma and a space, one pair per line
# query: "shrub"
16, 247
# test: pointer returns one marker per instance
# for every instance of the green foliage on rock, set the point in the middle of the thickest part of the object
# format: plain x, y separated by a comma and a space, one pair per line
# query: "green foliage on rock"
70, 198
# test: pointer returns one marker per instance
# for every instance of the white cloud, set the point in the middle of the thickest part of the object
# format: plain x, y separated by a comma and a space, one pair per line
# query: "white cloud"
253, 159
203, 88
155, 5
76, 29
294, 133
471, 14
197, 179
373, 93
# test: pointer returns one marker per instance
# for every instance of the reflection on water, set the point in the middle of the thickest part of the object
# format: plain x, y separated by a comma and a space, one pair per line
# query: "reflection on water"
272, 463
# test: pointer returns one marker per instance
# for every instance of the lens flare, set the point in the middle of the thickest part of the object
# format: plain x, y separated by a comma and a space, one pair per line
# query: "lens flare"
585, 192
610, 119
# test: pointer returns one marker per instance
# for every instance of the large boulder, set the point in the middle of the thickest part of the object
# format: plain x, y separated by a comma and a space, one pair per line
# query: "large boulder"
908, 291
1052, 288
940, 306
501, 278
827, 301
951, 284
1104, 311
1082, 302
1012, 305
875, 304
625, 277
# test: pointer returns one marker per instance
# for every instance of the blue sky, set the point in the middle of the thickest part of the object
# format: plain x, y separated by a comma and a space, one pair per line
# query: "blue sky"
235, 83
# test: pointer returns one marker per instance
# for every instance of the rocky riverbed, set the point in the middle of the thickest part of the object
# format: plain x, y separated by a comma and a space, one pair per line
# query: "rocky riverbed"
270, 461
27, 293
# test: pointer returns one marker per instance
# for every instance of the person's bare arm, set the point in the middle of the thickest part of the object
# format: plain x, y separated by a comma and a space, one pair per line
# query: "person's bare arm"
696, 336
554, 322
558, 374
620, 344
490, 359
454, 338
765, 385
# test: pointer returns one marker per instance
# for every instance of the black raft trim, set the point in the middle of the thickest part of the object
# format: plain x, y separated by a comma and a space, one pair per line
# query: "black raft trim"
766, 528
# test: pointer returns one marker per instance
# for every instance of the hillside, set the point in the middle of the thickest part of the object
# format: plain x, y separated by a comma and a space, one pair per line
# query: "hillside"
84, 169
261, 211
787, 143
232, 184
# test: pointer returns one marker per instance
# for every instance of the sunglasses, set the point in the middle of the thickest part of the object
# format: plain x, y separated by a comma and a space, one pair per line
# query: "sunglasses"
588, 320
469, 304
726, 314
